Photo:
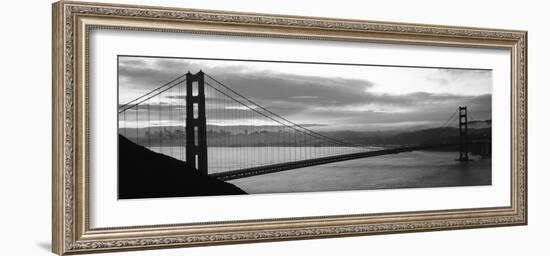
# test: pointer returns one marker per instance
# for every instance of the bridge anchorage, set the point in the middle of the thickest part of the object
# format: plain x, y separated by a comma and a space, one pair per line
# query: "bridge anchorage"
254, 139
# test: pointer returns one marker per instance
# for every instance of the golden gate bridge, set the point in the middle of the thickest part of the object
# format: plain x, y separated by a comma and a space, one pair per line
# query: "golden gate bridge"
173, 119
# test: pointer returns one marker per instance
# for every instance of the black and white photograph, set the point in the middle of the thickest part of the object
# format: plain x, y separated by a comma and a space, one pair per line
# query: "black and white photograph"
200, 127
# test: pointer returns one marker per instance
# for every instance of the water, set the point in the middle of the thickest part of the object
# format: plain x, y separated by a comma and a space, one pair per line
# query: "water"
404, 170
222, 159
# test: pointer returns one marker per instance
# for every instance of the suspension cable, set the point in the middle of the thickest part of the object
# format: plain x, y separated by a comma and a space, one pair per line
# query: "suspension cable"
280, 117
158, 88
148, 98
277, 121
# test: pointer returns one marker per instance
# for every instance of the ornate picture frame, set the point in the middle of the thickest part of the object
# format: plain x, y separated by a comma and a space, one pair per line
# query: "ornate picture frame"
74, 21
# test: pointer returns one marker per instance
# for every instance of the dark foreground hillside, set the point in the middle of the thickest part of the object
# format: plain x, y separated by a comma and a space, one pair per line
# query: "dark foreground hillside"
143, 173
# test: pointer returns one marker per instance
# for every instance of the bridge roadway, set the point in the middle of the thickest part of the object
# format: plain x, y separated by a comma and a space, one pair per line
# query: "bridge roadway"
242, 173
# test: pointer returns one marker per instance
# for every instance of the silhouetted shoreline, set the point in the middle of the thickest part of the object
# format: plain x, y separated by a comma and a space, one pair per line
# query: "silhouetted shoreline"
143, 173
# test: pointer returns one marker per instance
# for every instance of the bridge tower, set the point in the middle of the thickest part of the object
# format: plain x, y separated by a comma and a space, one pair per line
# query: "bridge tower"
195, 123
463, 133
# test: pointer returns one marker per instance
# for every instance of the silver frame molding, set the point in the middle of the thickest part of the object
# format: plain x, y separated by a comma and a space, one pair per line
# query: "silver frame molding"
72, 22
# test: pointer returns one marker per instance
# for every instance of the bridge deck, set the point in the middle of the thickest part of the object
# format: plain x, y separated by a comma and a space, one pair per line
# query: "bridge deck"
237, 174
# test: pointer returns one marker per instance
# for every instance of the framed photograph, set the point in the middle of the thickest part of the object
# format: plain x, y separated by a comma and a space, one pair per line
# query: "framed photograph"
179, 127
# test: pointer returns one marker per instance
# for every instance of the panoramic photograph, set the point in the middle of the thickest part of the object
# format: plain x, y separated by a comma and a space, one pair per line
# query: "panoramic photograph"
205, 127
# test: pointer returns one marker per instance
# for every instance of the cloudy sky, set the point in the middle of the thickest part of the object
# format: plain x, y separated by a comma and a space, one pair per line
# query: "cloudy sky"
325, 96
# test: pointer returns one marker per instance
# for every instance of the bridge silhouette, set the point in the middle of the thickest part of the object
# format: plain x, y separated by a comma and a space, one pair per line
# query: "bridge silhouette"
245, 138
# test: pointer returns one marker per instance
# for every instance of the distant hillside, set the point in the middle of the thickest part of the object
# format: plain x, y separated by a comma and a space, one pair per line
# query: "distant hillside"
479, 124
476, 130
438, 135
238, 136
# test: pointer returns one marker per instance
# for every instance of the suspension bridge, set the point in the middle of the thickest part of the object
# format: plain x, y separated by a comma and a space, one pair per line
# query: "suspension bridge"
218, 131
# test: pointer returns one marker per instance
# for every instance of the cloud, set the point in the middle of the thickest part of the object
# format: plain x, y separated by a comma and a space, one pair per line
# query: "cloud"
143, 73
323, 101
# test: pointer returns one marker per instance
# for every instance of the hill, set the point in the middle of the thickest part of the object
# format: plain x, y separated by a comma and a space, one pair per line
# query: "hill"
258, 136
143, 173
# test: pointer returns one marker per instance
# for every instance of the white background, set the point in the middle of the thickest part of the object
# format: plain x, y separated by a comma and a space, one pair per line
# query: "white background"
106, 211
26, 115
